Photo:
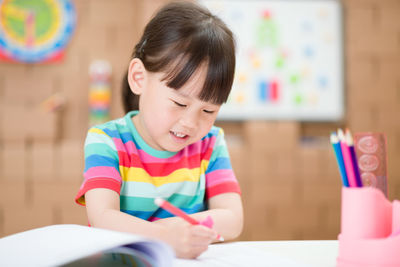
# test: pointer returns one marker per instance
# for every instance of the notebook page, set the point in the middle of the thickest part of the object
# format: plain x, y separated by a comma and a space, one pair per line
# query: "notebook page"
237, 254
60, 244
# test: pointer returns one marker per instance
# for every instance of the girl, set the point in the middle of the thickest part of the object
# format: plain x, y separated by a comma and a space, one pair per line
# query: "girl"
181, 72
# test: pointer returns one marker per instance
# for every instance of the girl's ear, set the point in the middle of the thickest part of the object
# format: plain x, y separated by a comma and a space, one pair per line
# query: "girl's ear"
136, 76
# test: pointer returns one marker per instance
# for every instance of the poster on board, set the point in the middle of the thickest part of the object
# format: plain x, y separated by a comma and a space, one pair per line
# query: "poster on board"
289, 59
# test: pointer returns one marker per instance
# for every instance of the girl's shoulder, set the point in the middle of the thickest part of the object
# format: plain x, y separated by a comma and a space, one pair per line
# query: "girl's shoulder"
119, 124
212, 138
215, 131
110, 129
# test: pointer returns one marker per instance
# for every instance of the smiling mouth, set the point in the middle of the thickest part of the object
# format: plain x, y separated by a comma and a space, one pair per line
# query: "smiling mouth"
179, 135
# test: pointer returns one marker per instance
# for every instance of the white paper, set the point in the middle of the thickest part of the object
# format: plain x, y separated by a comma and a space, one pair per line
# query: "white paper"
237, 254
61, 244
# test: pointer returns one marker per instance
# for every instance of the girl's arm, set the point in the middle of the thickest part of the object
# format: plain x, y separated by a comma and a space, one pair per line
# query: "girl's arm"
226, 211
103, 211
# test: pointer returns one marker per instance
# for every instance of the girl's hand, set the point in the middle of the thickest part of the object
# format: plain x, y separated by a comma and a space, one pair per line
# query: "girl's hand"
188, 241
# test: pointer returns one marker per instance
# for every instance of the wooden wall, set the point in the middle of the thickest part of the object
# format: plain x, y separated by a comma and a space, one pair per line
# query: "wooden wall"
287, 171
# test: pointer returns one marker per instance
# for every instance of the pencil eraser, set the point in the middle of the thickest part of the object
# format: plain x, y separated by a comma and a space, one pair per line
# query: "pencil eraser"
208, 222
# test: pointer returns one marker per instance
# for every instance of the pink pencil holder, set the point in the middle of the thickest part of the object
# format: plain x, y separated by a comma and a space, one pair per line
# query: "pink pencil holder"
370, 229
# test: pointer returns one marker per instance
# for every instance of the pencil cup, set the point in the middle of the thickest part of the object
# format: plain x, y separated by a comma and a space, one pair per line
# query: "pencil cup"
370, 226
372, 159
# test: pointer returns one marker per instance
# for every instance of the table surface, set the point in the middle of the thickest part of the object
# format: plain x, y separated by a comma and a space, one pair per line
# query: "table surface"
56, 244
310, 253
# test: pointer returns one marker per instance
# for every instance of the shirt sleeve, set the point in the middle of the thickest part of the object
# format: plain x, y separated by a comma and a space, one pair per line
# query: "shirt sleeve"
101, 164
220, 177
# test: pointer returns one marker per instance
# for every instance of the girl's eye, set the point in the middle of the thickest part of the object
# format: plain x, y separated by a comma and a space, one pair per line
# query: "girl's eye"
179, 104
208, 111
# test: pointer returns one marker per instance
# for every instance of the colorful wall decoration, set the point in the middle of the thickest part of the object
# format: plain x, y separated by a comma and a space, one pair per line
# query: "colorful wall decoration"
99, 92
289, 59
35, 30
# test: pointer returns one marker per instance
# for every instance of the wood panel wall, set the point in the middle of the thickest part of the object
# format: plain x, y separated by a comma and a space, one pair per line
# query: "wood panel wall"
290, 183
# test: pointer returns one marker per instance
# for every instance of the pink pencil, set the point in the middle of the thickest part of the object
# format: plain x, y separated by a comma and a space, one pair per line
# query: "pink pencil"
347, 160
178, 212
350, 145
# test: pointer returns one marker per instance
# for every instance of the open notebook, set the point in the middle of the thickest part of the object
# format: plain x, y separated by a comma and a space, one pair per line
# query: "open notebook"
239, 254
77, 245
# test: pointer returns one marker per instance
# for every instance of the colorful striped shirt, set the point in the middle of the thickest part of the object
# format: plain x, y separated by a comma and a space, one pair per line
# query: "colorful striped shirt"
117, 158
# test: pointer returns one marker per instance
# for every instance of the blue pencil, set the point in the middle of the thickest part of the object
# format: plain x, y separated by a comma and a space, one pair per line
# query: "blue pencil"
339, 158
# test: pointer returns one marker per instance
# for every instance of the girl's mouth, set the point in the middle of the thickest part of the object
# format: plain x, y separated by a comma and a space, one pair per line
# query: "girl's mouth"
179, 136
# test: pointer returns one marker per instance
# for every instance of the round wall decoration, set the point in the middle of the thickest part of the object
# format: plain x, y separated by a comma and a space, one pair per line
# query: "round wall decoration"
35, 30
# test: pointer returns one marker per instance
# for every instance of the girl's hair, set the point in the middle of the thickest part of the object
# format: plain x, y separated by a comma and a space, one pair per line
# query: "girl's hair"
178, 40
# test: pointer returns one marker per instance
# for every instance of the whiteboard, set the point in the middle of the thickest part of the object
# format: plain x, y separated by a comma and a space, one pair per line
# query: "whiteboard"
289, 63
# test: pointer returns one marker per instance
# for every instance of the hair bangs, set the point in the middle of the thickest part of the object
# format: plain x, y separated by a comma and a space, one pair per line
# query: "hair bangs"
182, 67
203, 50
219, 79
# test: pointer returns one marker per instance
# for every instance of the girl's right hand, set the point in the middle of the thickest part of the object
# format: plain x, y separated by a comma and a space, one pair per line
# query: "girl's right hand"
188, 241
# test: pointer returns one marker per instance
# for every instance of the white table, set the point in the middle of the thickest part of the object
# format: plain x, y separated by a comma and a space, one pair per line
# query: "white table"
76, 244
310, 253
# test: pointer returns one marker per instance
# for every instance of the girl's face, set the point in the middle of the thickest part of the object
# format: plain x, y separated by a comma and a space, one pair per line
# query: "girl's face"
172, 119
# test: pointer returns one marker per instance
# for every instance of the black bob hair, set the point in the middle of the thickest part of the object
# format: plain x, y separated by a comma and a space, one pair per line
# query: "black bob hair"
178, 40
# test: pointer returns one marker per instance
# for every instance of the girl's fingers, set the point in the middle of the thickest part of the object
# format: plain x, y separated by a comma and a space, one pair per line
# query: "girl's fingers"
201, 230
202, 235
200, 241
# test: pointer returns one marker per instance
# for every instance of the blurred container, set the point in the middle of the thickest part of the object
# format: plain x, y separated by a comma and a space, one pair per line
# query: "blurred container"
372, 159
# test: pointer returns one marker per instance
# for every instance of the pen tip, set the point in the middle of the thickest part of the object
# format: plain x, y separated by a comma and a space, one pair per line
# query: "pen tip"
334, 138
349, 138
340, 134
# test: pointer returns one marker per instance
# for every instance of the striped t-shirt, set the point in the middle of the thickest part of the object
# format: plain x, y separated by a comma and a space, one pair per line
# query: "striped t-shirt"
117, 158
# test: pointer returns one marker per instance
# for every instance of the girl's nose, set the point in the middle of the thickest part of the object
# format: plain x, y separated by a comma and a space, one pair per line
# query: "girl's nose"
189, 119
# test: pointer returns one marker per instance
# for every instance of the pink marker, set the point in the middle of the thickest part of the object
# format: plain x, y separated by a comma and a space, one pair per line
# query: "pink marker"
178, 212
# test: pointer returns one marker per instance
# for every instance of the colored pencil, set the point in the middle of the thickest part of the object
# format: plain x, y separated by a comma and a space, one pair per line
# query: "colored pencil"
339, 158
350, 145
347, 159
162, 203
